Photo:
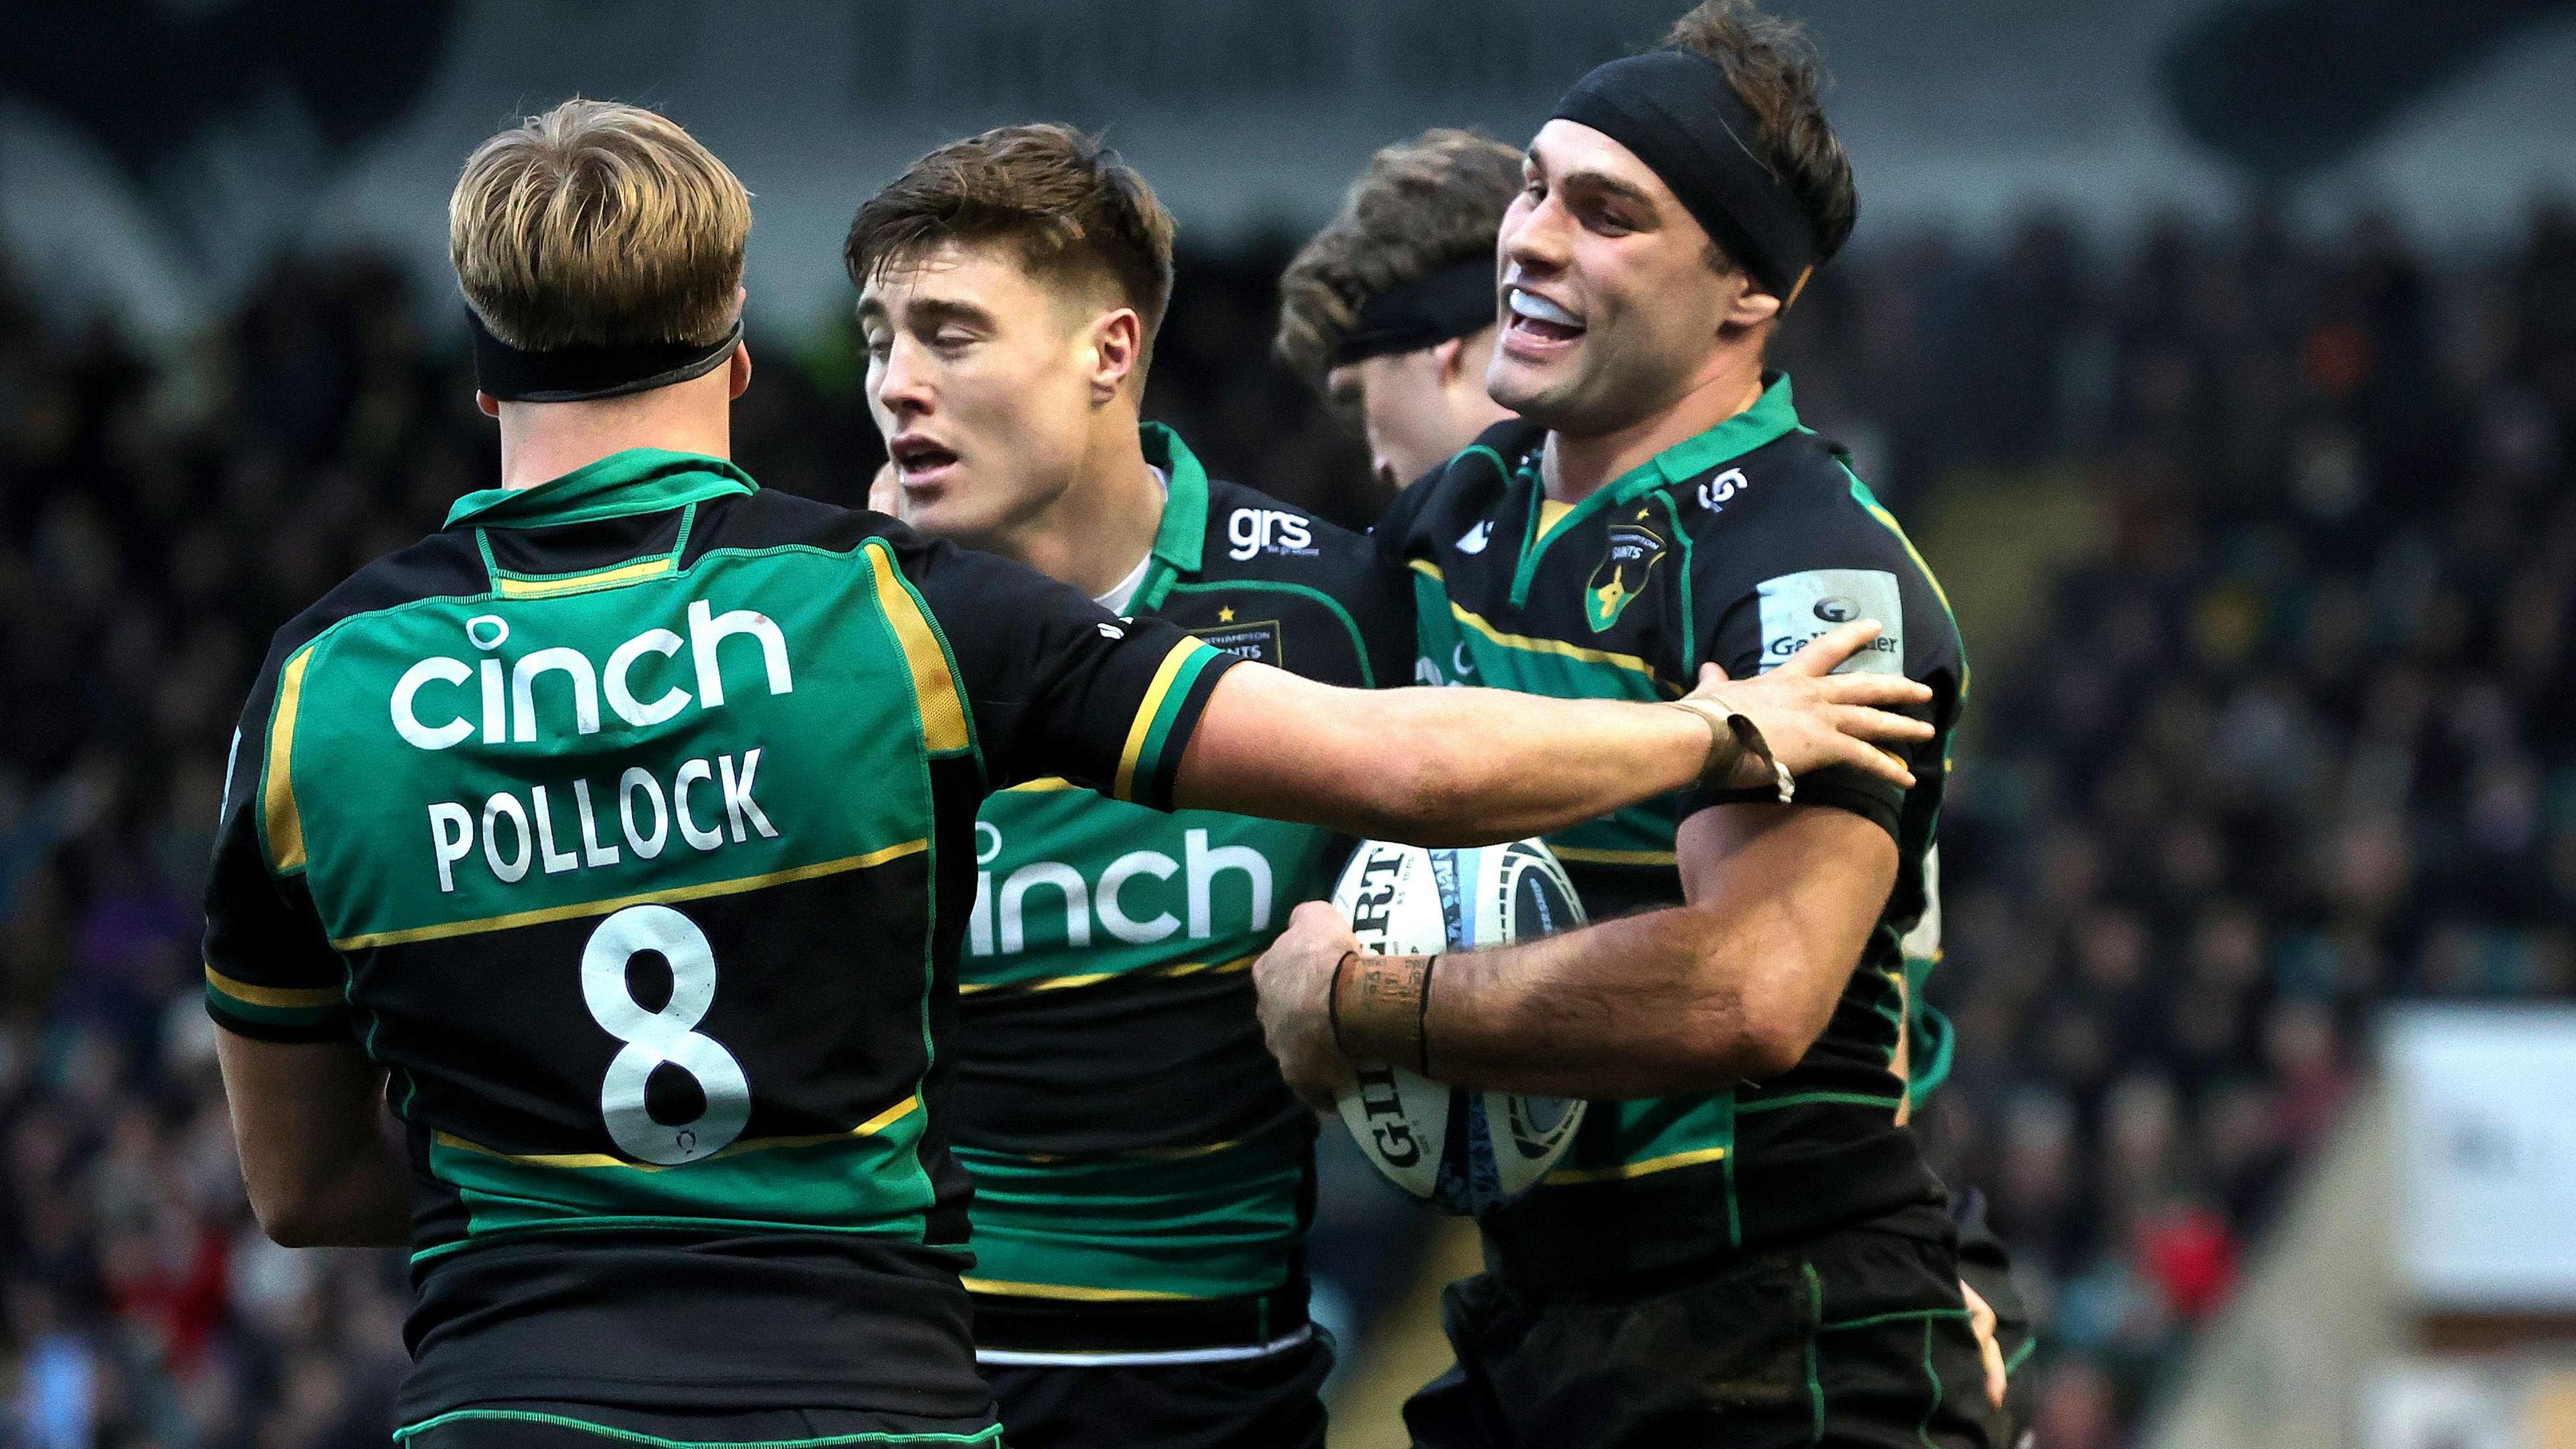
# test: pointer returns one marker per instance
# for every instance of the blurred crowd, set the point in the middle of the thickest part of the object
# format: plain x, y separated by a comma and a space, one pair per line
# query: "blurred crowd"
2290, 737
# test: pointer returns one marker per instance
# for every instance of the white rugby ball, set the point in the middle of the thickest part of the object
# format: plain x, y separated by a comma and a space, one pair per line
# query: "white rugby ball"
1461, 1150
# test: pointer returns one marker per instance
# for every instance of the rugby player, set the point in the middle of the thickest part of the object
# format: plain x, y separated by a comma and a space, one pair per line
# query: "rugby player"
619, 837
1389, 310
1744, 1022
1143, 1179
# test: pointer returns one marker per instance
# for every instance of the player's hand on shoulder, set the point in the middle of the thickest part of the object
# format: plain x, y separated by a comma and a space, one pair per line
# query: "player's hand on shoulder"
1814, 719
1295, 979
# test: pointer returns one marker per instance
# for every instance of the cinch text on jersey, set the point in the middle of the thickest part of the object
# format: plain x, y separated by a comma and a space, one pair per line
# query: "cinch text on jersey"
508, 700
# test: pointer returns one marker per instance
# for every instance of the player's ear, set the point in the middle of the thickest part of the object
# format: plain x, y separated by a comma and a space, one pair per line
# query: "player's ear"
1450, 360
738, 367
1117, 346
1749, 306
487, 404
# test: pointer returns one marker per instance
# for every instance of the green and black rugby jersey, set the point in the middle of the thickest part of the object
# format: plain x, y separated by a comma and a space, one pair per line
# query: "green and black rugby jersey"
629, 821
1737, 546
1129, 1136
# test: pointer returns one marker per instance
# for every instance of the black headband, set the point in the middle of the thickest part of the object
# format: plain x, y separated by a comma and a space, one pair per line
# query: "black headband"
1679, 114
579, 374
1455, 301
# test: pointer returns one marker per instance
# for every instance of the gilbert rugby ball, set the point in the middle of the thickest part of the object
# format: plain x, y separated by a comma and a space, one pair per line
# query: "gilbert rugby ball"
1461, 1150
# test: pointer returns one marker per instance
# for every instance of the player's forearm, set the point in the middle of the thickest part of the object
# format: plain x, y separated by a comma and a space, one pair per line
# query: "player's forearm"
1659, 1004
1488, 765
1446, 766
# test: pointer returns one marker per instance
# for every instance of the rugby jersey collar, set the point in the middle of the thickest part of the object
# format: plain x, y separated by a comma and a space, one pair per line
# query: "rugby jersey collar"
1181, 539
1772, 415
637, 480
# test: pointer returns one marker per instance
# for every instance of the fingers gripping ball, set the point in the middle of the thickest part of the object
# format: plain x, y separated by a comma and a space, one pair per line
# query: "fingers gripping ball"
1460, 1150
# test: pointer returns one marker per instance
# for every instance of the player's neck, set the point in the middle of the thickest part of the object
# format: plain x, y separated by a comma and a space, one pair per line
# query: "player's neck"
1103, 524
544, 441
1572, 468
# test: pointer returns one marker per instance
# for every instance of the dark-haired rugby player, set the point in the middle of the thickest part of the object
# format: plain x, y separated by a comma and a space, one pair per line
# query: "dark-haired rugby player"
1744, 1246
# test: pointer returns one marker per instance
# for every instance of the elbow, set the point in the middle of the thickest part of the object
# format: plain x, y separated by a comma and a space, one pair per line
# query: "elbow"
1775, 1028
292, 1217
1765, 1049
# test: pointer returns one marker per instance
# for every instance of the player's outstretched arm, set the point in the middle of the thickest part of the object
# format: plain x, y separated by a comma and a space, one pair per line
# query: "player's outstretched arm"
1471, 766
310, 1122
1733, 986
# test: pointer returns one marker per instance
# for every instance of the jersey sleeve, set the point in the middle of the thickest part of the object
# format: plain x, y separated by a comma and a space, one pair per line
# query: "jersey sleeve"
1793, 604
270, 970
1059, 686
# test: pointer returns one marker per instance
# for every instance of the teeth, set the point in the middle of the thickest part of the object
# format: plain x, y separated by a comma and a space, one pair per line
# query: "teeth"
1540, 309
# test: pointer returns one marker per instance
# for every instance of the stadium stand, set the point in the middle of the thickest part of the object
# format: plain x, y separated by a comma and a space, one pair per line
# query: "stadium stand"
2265, 549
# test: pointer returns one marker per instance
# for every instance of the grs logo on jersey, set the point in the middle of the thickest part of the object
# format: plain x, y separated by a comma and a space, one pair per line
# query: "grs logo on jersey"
1797, 608
1251, 530
1714, 492
1475, 539
508, 695
1634, 551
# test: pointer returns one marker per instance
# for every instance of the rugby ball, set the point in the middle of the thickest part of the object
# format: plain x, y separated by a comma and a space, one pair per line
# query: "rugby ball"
1461, 1150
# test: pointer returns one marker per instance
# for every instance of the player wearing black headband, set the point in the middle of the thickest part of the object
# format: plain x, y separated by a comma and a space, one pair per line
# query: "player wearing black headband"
1744, 1246
1389, 310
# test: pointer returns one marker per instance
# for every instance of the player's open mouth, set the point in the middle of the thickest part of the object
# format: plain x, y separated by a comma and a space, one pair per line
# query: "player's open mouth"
919, 461
1534, 319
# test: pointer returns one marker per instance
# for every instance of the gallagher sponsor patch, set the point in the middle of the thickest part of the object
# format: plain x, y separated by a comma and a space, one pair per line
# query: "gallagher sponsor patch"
1797, 608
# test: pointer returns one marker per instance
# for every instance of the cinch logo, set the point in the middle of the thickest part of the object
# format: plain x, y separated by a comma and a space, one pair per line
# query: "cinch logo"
1082, 901
508, 697
1251, 530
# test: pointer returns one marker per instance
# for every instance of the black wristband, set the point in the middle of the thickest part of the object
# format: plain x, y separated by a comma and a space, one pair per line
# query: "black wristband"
1422, 1017
1333, 1000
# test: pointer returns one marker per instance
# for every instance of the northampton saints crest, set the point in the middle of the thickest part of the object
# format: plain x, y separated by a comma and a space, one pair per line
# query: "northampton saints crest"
1635, 549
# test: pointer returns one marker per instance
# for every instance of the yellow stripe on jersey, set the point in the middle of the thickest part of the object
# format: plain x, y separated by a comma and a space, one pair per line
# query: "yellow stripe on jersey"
285, 827
869, 1128
1528, 644
1094, 978
1001, 1288
943, 710
574, 583
1125, 787
618, 903
1572, 1176
296, 998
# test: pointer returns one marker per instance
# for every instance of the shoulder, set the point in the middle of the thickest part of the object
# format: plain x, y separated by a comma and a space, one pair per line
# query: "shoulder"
1462, 488
1791, 532
1793, 502
445, 564
770, 519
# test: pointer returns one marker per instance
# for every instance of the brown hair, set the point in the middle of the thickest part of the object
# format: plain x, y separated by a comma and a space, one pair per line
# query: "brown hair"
598, 224
1421, 205
1063, 197
1774, 66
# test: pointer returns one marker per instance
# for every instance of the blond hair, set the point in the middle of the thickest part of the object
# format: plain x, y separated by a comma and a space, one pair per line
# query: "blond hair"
598, 224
